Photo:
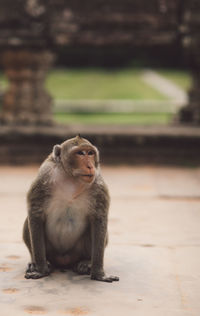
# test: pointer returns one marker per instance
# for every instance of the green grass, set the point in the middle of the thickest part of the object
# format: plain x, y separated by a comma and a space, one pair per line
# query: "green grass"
115, 118
101, 84
3, 81
180, 77
121, 84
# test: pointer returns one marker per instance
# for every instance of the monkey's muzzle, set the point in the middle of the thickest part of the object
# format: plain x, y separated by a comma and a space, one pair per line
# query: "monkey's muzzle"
87, 177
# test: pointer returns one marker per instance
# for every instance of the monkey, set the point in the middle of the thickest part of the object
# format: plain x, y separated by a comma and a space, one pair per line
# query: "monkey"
68, 204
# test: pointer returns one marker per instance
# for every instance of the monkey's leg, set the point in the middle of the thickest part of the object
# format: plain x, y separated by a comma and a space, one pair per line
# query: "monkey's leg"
39, 267
26, 235
99, 235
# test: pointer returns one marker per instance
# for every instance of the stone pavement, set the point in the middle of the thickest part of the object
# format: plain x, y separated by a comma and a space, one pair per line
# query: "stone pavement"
154, 248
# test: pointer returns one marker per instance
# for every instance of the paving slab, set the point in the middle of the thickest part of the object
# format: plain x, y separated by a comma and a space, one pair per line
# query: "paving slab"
154, 247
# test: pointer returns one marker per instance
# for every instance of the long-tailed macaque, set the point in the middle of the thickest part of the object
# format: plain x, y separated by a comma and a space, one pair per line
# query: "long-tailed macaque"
68, 206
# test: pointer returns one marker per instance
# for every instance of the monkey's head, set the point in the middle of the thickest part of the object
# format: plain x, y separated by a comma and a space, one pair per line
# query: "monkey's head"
78, 157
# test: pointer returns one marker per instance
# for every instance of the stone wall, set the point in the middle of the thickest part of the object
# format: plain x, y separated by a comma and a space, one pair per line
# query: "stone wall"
131, 145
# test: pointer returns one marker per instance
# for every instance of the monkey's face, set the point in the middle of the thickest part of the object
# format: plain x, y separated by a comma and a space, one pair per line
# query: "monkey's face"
79, 158
83, 162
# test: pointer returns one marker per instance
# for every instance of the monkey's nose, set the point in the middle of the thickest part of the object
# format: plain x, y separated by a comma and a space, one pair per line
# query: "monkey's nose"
90, 166
90, 169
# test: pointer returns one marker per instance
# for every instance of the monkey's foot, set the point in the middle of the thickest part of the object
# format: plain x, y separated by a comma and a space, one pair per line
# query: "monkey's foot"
33, 273
83, 267
104, 278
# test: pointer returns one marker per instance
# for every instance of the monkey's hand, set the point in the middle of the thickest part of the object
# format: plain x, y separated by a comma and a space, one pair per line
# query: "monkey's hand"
33, 272
100, 276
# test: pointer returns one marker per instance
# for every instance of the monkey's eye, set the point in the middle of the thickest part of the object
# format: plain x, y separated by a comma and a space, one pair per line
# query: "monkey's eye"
91, 152
80, 153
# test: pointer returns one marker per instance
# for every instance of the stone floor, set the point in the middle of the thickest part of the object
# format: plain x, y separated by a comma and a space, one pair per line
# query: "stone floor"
154, 248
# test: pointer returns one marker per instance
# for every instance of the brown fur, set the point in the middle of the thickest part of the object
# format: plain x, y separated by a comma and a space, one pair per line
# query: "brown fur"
68, 207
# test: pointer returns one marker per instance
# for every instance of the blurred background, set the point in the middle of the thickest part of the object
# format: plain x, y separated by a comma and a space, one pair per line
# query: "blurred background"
126, 75
127, 69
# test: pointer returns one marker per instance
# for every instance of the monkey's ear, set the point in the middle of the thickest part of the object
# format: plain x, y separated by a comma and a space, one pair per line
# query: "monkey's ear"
56, 152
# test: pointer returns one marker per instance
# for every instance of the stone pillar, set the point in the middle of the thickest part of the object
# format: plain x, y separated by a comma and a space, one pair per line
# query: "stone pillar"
191, 44
26, 101
191, 113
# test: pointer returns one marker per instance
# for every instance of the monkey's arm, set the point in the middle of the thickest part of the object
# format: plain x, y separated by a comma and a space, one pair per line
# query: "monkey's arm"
36, 197
99, 233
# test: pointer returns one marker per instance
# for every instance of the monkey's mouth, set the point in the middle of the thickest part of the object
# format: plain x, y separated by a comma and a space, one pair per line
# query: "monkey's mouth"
87, 177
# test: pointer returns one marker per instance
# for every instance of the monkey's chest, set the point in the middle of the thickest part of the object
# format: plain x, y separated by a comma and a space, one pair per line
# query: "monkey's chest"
65, 226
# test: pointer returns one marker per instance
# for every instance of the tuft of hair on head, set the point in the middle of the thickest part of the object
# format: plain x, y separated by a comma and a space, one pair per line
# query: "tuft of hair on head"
79, 140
